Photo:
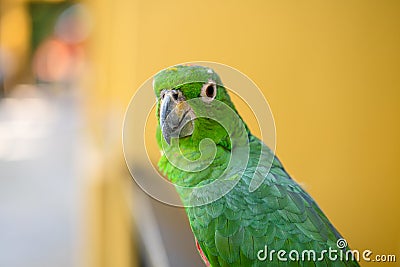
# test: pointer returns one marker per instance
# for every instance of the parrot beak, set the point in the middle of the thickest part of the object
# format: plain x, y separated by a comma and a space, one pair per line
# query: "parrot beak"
176, 116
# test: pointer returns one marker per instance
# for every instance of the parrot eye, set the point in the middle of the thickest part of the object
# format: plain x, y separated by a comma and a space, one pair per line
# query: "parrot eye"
209, 91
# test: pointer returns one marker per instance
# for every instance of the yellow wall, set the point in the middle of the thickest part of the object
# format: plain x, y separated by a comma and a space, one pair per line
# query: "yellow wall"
109, 82
329, 70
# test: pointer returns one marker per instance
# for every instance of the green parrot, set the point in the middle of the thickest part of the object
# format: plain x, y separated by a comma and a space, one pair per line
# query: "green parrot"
243, 207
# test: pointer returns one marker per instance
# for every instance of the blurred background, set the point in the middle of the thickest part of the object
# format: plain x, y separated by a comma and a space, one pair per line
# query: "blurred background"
329, 69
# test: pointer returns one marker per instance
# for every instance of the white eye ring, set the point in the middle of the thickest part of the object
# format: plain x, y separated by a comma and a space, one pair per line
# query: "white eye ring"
209, 91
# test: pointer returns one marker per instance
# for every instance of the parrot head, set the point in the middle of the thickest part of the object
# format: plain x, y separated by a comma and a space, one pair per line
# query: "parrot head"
175, 87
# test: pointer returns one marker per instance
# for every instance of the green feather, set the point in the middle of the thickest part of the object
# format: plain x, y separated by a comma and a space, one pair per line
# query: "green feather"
265, 208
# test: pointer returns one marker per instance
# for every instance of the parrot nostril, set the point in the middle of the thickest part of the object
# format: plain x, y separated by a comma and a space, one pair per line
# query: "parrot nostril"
162, 94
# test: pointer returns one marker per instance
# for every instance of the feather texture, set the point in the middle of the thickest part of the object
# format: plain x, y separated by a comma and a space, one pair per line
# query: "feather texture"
266, 207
